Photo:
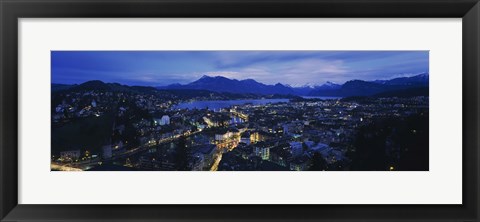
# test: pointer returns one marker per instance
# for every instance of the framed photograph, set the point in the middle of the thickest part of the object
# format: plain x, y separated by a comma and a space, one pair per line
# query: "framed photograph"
228, 110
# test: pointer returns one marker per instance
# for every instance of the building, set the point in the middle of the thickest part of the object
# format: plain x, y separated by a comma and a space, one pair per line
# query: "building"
70, 155
245, 138
149, 161
293, 128
262, 150
227, 138
286, 129
281, 155
258, 137
296, 149
107, 151
300, 164
203, 157
320, 147
165, 120
223, 135
118, 148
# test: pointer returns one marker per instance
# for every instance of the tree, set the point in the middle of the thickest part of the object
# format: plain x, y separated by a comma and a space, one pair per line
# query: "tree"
182, 155
318, 162
370, 147
392, 142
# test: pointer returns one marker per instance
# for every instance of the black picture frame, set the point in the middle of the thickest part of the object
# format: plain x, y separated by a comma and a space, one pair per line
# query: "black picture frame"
12, 10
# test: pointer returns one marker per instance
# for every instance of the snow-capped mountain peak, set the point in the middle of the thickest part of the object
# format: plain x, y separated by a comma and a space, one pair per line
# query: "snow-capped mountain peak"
329, 85
310, 85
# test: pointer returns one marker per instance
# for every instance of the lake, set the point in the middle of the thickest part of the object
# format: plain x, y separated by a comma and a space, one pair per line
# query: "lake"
219, 104
321, 97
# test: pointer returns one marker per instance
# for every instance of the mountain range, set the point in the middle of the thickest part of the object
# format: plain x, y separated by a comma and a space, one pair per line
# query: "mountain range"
349, 88
223, 84
406, 85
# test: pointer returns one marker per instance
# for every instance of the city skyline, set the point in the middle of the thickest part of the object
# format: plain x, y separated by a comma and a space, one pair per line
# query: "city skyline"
295, 68
224, 111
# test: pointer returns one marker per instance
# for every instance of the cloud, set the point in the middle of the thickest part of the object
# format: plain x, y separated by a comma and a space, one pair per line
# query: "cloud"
400, 75
297, 72
240, 59
156, 68
228, 74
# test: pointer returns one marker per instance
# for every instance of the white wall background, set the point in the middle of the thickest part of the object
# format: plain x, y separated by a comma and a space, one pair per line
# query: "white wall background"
441, 185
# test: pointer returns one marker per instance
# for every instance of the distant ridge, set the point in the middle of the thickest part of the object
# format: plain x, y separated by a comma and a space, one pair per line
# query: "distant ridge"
220, 84
59, 87
369, 88
349, 88
97, 85
223, 84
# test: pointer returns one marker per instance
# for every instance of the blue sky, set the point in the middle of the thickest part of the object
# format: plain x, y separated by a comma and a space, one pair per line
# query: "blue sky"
296, 68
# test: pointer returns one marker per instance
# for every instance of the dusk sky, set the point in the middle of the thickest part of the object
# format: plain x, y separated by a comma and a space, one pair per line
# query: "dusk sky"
296, 68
